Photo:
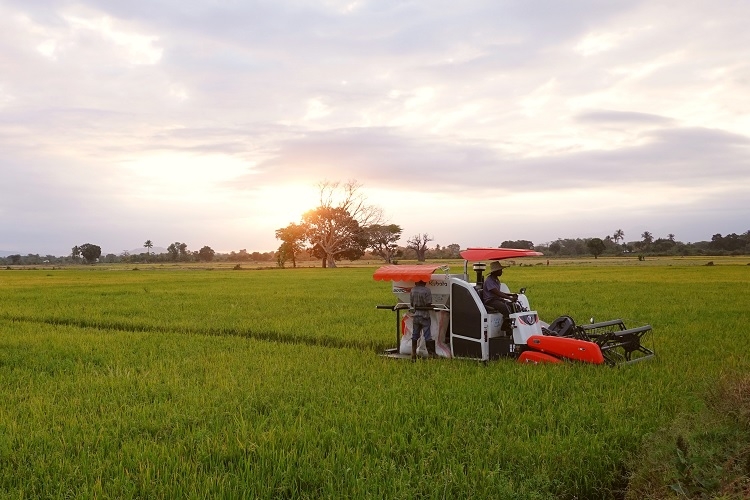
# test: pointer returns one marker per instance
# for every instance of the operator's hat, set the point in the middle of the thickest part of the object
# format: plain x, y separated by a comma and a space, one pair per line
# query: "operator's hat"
421, 281
496, 266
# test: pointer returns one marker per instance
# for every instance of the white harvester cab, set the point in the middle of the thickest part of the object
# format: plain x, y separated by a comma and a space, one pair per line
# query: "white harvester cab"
461, 325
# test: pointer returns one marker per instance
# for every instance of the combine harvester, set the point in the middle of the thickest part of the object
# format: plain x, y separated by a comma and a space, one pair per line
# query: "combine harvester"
463, 327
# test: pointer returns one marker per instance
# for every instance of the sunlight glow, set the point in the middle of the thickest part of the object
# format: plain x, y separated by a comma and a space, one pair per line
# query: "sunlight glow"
285, 203
184, 176
316, 109
47, 48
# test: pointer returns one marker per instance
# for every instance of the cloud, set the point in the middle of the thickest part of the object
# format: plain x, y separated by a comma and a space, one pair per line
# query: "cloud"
606, 108
389, 158
625, 117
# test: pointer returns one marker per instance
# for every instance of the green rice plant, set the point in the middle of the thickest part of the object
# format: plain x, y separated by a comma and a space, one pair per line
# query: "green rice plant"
264, 384
129, 414
300, 305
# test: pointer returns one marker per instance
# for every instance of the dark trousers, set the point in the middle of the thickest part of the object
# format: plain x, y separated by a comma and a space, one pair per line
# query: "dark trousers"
502, 306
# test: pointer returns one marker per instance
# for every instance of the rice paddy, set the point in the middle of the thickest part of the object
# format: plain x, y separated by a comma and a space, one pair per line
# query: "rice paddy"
116, 383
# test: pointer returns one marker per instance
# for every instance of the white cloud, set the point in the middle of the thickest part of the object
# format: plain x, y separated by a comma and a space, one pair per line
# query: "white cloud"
136, 48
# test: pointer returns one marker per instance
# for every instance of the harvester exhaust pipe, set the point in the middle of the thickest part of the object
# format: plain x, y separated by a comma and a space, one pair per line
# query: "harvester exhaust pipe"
479, 267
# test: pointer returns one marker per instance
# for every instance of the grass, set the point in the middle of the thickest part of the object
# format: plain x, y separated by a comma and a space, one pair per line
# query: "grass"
705, 454
264, 384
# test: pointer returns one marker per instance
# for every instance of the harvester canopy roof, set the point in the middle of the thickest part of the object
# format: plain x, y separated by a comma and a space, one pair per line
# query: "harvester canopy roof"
406, 273
477, 254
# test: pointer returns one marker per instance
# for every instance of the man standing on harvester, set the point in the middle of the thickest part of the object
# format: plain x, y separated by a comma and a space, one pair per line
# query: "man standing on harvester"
421, 304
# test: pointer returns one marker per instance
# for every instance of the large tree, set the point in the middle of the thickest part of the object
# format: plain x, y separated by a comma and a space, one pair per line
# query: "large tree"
383, 240
418, 243
90, 252
148, 246
336, 229
333, 233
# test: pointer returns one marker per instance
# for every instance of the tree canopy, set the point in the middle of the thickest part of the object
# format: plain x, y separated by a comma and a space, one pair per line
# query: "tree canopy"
596, 246
292, 243
338, 228
206, 254
90, 252
383, 240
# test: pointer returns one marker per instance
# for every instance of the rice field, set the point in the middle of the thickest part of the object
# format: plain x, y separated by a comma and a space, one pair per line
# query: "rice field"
213, 383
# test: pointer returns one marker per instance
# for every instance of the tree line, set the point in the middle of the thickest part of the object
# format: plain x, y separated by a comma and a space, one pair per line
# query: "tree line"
731, 244
648, 244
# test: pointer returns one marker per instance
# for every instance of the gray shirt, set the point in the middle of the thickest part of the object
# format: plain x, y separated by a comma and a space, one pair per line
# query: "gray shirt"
420, 296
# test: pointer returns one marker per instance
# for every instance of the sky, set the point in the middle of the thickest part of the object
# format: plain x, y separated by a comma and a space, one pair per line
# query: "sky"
476, 122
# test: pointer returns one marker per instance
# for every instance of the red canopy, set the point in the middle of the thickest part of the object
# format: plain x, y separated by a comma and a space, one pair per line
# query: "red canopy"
476, 254
405, 273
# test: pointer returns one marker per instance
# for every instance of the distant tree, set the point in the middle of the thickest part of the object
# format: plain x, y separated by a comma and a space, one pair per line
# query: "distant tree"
177, 251
618, 235
90, 252
730, 243
662, 245
648, 238
75, 252
454, 251
418, 243
292, 241
206, 254
148, 245
596, 246
333, 233
568, 246
242, 255
15, 258
671, 237
382, 239
336, 228
32, 258
523, 244
284, 253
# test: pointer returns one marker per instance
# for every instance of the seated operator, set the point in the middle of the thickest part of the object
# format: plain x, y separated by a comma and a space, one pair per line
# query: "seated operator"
492, 296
